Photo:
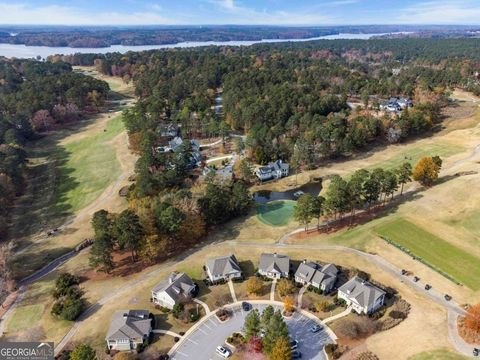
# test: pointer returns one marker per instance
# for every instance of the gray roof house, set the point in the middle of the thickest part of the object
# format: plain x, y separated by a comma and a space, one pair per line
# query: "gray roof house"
223, 268
128, 329
320, 277
274, 265
178, 288
274, 170
362, 295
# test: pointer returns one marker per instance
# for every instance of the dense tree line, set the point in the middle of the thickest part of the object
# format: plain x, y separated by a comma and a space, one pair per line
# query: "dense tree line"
363, 190
36, 97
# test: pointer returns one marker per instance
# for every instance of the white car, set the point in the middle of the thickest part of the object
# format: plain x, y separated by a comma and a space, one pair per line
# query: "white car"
223, 352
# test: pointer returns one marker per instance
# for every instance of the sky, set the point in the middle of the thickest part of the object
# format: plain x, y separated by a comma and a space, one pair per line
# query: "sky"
245, 12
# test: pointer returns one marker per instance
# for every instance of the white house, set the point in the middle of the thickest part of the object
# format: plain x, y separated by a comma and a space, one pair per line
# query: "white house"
361, 295
320, 277
128, 329
178, 288
274, 170
274, 266
223, 268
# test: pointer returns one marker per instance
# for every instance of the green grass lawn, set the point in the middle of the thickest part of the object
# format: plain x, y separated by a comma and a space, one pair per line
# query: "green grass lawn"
89, 166
441, 354
414, 154
276, 213
25, 316
435, 251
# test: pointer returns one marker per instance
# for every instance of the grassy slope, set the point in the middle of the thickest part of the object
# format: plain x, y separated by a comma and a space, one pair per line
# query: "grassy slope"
91, 166
434, 250
442, 354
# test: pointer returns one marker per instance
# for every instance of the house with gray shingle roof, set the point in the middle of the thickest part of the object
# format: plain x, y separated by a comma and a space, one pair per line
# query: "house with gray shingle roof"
178, 288
223, 268
274, 266
320, 277
362, 295
128, 329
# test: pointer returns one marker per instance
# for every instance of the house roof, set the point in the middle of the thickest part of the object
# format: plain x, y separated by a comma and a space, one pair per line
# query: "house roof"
361, 291
129, 324
223, 265
177, 286
274, 263
312, 272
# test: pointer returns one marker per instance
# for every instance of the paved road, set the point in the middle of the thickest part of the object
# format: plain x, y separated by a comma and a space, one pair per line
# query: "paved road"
201, 343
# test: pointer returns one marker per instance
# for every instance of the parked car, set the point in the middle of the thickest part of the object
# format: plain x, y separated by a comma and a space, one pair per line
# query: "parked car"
448, 297
296, 354
223, 352
416, 278
294, 344
315, 328
246, 306
428, 287
476, 352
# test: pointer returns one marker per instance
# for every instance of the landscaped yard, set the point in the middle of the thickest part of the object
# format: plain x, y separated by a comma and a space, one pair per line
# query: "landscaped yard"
242, 294
438, 253
276, 213
215, 296
310, 299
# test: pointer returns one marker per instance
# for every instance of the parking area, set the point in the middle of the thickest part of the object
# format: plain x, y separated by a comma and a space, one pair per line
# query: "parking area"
201, 344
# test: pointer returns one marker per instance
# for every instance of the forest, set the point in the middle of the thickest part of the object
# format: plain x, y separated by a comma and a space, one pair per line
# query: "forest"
292, 101
35, 98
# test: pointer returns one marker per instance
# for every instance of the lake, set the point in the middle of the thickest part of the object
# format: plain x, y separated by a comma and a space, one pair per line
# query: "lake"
265, 196
22, 51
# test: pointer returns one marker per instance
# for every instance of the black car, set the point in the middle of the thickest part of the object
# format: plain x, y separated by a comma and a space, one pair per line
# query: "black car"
428, 287
416, 278
448, 297
246, 306
476, 352
296, 354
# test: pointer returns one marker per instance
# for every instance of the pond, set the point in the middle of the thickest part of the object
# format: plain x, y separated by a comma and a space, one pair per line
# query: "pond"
265, 196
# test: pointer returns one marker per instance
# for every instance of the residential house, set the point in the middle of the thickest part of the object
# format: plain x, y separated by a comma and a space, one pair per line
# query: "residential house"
178, 288
320, 277
274, 170
128, 329
169, 130
274, 266
223, 268
362, 295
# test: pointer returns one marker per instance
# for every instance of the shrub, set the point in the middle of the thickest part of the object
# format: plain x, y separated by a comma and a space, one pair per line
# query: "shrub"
254, 286
285, 287
177, 310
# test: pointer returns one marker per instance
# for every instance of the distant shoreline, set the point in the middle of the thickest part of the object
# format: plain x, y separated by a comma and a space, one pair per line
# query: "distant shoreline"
25, 51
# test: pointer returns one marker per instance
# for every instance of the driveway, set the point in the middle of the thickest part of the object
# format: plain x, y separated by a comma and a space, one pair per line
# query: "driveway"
202, 342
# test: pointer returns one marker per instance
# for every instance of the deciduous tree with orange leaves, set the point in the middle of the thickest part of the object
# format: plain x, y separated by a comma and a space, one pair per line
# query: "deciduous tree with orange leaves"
427, 169
472, 320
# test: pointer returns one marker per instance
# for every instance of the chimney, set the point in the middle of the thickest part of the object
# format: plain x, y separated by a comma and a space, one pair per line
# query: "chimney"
171, 278
125, 315
274, 254
304, 261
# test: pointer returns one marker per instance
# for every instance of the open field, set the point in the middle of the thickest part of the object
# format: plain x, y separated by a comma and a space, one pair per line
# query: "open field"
74, 172
440, 254
90, 166
276, 213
